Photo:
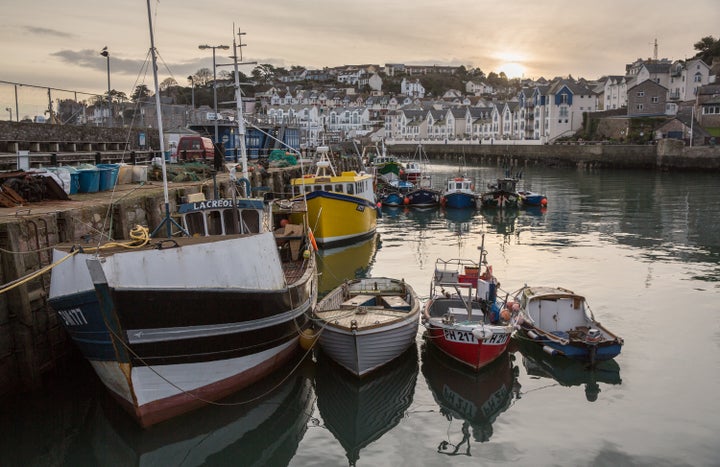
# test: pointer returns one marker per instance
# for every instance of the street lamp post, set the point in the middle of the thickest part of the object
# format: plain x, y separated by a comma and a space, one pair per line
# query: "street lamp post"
213, 47
9, 110
192, 94
105, 53
192, 90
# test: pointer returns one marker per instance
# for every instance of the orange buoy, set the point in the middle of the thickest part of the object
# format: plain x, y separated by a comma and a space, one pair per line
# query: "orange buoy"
406, 201
543, 202
505, 314
312, 239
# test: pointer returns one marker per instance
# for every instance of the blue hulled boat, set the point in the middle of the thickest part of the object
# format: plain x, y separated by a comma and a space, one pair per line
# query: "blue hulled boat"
459, 193
561, 322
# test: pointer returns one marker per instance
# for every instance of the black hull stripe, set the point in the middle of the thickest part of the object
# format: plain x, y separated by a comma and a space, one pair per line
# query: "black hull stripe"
161, 309
213, 348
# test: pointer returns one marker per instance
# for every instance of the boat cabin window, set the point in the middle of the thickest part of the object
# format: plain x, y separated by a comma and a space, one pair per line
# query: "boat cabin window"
317, 187
214, 223
339, 188
349, 189
222, 222
195, 224
327, 187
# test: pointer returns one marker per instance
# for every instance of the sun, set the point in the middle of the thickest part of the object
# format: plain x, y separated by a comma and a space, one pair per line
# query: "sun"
512, 69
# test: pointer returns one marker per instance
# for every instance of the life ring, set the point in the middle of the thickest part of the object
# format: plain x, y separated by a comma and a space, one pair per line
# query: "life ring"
312, 239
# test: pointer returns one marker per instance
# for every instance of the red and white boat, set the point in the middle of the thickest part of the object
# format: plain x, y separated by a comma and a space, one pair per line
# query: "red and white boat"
464, 319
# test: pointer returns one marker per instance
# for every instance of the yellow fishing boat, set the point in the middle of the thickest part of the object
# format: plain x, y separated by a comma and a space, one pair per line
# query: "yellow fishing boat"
341, 208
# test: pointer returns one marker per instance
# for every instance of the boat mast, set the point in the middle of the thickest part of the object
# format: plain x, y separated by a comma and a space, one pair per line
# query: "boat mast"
168, 221
238, 97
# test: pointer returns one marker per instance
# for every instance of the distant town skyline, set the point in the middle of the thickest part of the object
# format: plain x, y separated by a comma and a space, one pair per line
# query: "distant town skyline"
58, 44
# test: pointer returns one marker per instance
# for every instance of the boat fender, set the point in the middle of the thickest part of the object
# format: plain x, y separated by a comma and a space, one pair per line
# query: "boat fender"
549, 350
406, 201
307, 339
482, 334
532, 334
312, 239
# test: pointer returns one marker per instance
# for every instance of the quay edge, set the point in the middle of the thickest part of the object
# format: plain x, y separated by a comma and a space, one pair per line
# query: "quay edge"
668, 154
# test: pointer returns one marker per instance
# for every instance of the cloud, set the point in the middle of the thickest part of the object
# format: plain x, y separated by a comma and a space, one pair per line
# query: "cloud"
47, 32
92, 60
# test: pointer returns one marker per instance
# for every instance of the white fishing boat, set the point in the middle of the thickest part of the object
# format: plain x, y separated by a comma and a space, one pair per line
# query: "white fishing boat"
170, 324
366, 323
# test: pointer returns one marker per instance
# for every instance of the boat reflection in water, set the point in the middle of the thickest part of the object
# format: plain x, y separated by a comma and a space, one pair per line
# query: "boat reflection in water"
567, 371
265, 431
503, 221
359, 411
335, 265
459, 220
475, 399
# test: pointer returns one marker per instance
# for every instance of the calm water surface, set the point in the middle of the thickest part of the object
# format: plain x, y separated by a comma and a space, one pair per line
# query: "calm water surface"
644, 248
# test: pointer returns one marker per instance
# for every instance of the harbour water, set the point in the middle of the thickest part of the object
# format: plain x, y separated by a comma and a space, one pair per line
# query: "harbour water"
644, 248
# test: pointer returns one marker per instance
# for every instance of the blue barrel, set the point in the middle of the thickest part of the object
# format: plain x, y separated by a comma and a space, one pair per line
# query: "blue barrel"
105, 179
111, 178
74, 182
89, 180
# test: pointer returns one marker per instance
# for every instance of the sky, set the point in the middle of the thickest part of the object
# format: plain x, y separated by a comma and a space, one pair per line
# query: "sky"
57, 43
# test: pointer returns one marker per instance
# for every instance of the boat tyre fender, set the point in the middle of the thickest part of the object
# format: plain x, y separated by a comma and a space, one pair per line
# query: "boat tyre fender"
172, 244
246, 182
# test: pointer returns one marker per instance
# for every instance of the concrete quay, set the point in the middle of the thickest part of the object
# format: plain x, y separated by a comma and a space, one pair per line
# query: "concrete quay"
668, 154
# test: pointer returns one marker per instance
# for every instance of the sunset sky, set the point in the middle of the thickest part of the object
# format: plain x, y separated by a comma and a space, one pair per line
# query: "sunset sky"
58, 43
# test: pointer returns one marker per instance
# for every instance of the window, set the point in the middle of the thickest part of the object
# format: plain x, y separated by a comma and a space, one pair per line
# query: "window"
655, 99
641, 93
639, 107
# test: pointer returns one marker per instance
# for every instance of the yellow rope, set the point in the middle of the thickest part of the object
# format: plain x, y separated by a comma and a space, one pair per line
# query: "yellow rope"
18, 282
140, 236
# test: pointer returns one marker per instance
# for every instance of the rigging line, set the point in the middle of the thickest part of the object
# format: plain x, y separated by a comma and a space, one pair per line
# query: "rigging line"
20, 281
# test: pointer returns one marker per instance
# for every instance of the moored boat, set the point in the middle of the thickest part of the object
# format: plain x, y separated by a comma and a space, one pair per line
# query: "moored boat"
530, 198
561, 323
341, 208
171, 324
502, 194
459, 193
394, 193
463, 317
366, 323
416, 167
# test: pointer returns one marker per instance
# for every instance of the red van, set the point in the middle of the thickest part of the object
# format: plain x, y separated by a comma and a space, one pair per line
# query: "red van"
191, 148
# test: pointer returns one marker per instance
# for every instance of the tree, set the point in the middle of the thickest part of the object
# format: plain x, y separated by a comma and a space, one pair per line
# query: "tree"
709, 48
168, 83
264, 73
140, 93
202, 77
